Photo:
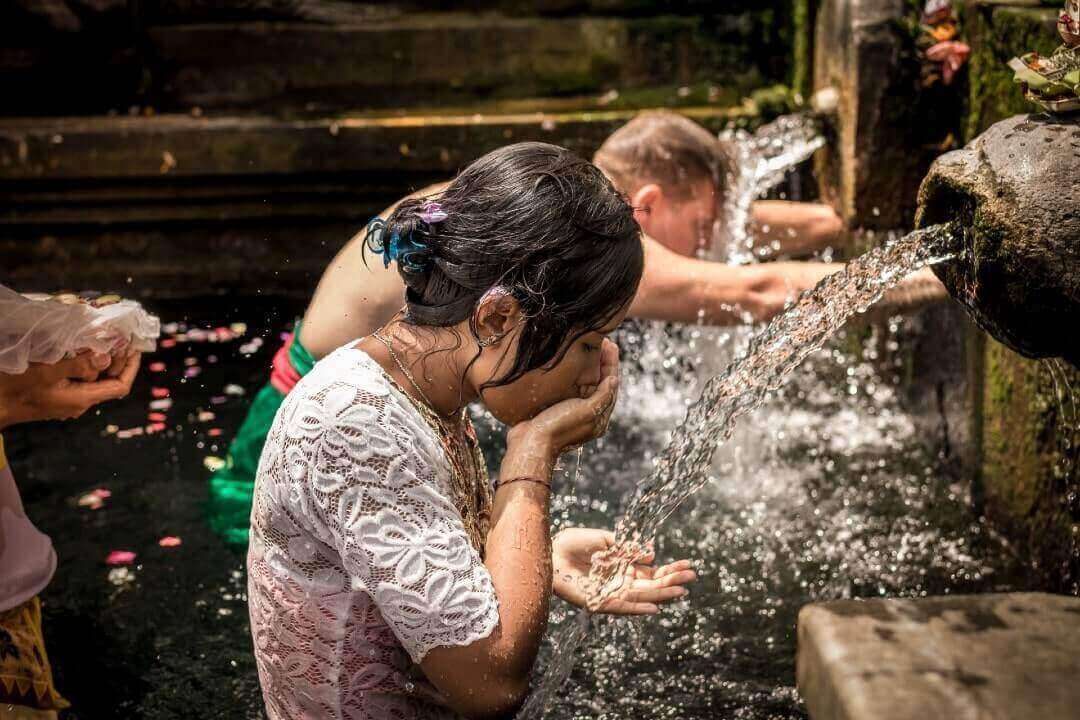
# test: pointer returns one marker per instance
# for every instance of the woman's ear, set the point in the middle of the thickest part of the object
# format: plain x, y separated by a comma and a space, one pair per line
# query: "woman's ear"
497, 313
644, 200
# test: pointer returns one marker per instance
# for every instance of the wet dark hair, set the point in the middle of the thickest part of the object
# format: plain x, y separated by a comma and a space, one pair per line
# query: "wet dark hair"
532, 218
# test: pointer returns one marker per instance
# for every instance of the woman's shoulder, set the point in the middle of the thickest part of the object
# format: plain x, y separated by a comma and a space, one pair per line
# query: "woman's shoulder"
346, 366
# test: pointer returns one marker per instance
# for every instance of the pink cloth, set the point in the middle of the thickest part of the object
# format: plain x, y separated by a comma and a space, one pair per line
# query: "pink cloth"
283, 376
27, 558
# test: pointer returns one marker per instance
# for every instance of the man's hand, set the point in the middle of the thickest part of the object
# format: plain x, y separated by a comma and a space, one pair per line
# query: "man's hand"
65, 389
644, 586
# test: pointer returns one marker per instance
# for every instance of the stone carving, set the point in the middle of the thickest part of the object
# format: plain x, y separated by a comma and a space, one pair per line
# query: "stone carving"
1017, 192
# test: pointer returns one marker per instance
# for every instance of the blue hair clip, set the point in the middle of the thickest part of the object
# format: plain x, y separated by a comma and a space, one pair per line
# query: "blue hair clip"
411, 255
376, 232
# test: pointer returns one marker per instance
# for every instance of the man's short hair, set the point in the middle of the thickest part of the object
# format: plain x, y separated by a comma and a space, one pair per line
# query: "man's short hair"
663, 147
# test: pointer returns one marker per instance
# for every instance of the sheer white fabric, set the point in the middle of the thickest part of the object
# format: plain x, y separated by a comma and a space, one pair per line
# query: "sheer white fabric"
358, 563
39, 329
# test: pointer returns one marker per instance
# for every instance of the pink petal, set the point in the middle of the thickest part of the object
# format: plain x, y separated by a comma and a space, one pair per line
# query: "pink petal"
120, 557
169, 541
90, 500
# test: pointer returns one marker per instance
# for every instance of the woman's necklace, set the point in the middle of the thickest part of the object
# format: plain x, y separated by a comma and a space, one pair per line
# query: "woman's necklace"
468, 472
404, 370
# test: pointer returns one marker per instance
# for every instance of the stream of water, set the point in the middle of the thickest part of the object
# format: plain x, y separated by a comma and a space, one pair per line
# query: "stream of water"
758, 162
683, 467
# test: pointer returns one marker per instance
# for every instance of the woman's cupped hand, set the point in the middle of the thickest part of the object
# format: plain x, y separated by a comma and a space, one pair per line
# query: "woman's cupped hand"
642, 588
576, 421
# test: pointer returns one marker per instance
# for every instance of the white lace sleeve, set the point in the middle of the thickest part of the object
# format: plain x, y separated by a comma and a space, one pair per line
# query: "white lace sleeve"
379, 489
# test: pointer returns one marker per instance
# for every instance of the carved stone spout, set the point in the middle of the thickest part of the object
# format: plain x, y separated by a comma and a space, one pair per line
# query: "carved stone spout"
1016, 189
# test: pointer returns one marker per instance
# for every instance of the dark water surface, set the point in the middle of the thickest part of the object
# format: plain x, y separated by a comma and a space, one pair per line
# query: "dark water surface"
836, 487
831, 490
173, 642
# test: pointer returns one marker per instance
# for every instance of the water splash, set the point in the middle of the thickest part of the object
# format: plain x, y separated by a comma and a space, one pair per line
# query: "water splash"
1068, 429
669, 363
759, 162
773, 355
1067, 477
673, 361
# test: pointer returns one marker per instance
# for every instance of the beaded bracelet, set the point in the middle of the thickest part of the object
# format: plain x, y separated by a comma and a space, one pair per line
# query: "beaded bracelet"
524, 478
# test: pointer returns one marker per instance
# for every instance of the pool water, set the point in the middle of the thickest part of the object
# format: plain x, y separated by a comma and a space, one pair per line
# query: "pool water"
173, 642
833, 489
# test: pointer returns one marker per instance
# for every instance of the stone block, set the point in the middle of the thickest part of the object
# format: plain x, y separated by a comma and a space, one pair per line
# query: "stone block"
165, 147
1015, 189
984, 657
435, 59
1026, 477
1028, 483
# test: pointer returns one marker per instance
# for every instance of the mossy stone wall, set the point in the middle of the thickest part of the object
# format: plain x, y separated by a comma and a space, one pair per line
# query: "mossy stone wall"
288, 57
1027, 482
998, 33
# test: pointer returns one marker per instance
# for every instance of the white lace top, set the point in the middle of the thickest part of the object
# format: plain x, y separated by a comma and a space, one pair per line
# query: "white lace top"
358, 562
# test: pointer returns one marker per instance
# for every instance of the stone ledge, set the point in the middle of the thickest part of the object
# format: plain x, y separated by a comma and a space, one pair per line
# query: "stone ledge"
437, 58
181, 146
998, 656
121, 171
241, 203
279, 258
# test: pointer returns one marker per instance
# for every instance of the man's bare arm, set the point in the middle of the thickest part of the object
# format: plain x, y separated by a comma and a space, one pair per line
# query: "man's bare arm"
354, 298
682, 289
798, 228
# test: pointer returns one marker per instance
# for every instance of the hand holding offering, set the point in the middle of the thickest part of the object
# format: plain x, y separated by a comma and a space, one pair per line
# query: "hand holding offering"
49, 328
65, 389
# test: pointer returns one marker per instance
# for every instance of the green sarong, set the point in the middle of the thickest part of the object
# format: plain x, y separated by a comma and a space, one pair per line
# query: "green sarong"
232, 487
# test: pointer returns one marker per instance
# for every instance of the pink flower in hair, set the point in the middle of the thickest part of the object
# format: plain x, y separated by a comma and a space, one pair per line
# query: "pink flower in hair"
431, 212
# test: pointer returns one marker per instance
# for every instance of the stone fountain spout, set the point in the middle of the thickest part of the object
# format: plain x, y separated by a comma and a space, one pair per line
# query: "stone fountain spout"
1016, 190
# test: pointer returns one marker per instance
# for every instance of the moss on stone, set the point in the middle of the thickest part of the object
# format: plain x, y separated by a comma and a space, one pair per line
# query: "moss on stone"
1025, 472
1020, 426
999, 34
802, 15
1010, 457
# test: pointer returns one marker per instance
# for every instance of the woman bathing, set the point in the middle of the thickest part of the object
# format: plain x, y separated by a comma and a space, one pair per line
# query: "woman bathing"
673, 171
387, 578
